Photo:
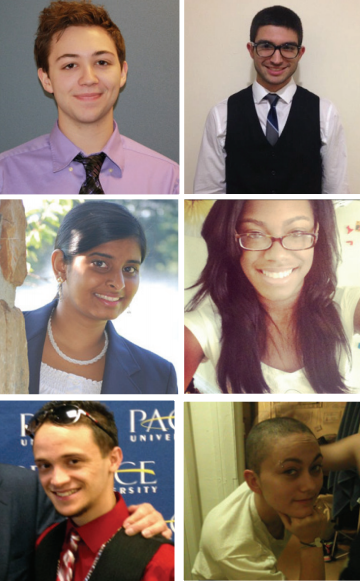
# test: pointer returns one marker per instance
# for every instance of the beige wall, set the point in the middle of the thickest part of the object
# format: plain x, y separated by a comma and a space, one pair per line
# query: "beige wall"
217, 63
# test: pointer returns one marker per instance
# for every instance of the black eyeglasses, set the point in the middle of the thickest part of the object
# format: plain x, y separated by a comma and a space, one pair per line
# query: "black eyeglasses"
289, 50
64, 415
293, 241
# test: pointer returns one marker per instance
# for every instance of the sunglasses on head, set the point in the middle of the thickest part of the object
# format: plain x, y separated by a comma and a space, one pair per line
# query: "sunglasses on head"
63, 415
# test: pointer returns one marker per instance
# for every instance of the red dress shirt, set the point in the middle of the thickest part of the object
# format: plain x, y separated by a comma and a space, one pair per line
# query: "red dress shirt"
95, 533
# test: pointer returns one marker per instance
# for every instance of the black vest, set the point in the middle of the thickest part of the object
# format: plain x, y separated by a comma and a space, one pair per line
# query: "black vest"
292, 166
123, 558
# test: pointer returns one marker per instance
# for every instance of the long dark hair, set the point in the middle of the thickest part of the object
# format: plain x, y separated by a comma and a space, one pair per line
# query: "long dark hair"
319, 332
93, 223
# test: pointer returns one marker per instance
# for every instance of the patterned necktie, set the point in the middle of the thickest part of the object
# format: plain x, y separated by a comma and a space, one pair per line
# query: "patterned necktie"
66, 567
92, 165
272, 127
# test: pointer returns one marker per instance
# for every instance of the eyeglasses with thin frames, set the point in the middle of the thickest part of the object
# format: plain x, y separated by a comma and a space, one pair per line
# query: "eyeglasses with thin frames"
295, 241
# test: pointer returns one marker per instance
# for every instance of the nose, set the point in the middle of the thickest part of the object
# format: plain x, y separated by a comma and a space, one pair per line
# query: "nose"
276, 251
277, 57
308, 484
88, 76
59, 477
117, 281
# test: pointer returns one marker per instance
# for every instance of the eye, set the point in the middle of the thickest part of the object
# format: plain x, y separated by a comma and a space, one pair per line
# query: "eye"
42, 466
317, 469
291, 472
73, 461
103, 63
99, 264
131, 270
70, 66
255, 235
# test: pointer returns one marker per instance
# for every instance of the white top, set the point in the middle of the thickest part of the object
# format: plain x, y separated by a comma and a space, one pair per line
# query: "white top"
205, 324
210, 171
56, 381
235, 543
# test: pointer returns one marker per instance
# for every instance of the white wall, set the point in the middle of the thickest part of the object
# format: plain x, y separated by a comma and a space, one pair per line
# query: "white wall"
213, 465
217, 63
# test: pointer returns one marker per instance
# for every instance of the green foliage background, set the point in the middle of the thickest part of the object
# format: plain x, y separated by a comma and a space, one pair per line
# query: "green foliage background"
158, 217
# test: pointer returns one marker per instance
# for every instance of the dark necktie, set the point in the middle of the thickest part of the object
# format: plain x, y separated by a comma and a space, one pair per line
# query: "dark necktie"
272, 127
92, 165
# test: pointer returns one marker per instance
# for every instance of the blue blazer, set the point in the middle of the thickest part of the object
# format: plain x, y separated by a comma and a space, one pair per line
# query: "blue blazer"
25, 512
128, 368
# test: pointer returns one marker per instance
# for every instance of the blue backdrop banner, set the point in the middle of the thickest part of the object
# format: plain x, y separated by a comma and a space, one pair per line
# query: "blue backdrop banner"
146, 436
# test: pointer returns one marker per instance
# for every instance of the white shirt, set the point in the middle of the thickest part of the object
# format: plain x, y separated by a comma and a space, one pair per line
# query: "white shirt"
205, 324
57, 381
235, 543
210, 171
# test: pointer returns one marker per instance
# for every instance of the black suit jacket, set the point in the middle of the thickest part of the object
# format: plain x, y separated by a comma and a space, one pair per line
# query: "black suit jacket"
25, 511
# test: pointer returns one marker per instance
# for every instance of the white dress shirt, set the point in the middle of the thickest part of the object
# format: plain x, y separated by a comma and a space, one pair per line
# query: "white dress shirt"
210, 171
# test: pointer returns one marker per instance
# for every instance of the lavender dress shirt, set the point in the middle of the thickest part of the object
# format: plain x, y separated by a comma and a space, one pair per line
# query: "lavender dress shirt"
45, 166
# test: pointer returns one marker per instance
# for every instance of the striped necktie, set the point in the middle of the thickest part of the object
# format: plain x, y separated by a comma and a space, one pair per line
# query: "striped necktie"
92, 165
66, 566
272, 127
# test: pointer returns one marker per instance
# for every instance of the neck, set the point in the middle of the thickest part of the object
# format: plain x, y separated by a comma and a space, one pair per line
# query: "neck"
282, 311
95, 511
76, 330
269, 517
89, 137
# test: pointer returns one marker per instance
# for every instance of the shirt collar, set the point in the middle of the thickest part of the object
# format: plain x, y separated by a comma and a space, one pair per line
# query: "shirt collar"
63, 150
286, 93
97, 532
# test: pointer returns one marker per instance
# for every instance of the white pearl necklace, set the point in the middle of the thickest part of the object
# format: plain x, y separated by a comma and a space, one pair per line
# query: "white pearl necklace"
69, 359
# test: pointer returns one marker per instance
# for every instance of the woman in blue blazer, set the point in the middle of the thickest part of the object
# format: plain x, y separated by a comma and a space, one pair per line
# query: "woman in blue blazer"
72, 344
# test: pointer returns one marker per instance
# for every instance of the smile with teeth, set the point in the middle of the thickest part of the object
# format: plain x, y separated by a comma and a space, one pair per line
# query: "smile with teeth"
106, 298
65, 493
282, 274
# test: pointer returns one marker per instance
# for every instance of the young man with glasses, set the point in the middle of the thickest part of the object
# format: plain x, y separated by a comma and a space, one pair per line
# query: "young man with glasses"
80, 56
273, 137
77, 455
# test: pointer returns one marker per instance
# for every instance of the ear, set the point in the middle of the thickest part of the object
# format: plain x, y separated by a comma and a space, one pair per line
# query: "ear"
251, 49
124, 72
45, 81
301, 52
252, 480
58, 264
116, 457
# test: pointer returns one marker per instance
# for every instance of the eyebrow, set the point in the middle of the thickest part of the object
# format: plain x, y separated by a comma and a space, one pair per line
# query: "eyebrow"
103, 255
97, 53
81, 455
285, 223
317, 457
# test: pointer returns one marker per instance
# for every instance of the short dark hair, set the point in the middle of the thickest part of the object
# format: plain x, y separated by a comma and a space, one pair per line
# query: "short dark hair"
277, 16
264, 435
100, 413
59, 15
93, 223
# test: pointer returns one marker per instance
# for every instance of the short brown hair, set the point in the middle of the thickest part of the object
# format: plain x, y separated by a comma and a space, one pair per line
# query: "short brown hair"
100, 413
60, 15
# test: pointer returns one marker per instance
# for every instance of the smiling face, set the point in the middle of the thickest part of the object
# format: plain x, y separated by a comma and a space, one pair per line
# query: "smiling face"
274, 72
85, 76
277, 274
291, 476
101, 283
75, 476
